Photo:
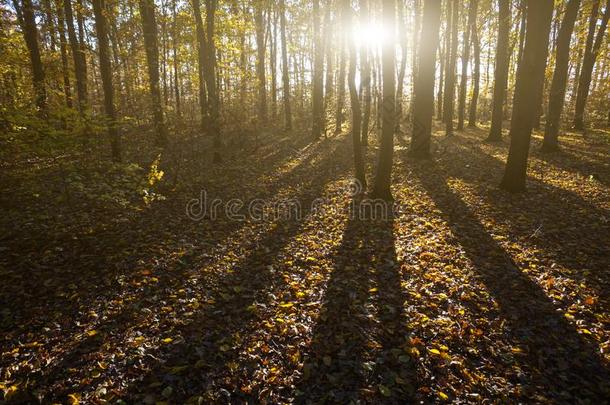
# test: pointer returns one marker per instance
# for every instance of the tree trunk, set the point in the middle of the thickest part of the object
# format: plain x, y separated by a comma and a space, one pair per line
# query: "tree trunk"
149, 28
347, 20
472, 16
383, 177
476, 76
588, 63
501, 72
442, 53
273, 61
560, 76
522, 27
285, 74
175, 62
64, 54
260, 63
530, 76
318, 78
342, 38
101, 28
201, 56
452, 26
27, 20
209, 74
80, 68
404, 42
365, 78
423, 104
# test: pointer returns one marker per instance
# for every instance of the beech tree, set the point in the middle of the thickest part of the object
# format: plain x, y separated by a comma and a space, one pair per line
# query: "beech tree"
501, 71
149, 29
594, 44
558, 85
423, 105
530, 75
383, 176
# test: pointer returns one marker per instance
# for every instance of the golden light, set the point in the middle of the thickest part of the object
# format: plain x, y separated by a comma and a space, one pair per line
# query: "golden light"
370, 34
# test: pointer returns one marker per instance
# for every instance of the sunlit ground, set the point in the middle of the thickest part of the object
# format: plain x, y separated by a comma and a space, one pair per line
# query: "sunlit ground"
466, 293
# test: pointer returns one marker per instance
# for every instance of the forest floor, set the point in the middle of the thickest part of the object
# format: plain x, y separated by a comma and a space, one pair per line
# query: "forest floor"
464, 293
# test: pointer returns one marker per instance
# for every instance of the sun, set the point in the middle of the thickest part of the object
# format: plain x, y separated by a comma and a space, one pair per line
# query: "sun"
370, 34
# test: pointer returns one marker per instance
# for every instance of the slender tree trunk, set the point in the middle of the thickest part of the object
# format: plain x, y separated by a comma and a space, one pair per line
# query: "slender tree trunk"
442, 53
260, 62
273, 61
452, 26
64, 53
175, 61
522, 27
365, 78
347, 20
404, 42
101, 28
588, 63
25, 13
560, 76
318, 72
530, 76
472, 16
501, 72
149, 28
423, 105
383, 176
476, 78
201, 59
342, 38
285, 73
210, 78
80, 68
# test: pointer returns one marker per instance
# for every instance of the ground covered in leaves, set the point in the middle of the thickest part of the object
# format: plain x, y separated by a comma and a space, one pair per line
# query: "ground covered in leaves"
110, 293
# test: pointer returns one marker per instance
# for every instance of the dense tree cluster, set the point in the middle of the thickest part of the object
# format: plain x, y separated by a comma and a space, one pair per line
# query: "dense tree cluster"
537, 63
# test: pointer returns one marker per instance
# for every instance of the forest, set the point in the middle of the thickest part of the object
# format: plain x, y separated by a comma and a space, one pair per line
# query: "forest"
304, 201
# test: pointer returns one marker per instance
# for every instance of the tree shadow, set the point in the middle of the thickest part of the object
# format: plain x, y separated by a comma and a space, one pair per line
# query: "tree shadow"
566, 228
557, 360
356, 351
173, 272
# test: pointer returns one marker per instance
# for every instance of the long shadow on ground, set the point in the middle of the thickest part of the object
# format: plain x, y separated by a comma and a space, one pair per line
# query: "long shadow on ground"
558, 361
357, 348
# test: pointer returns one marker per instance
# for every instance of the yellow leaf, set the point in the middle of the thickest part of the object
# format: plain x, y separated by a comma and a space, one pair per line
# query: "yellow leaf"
443, 396
435, 352
287, 305
10, 391
168, 340
374, 289
91, 332
74, 399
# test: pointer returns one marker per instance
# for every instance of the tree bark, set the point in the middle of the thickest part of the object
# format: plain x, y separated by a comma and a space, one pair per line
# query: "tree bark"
318, 71
149, 28
452, 26
80, 69
209, 73
476, 78
285, 74
423, 104
588, 63
347, 20
365, 78
560, 76
25, 13
501, 72
64, 53
201, 56
530, 76
383, 176
472, 16
101, 28
260, 62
